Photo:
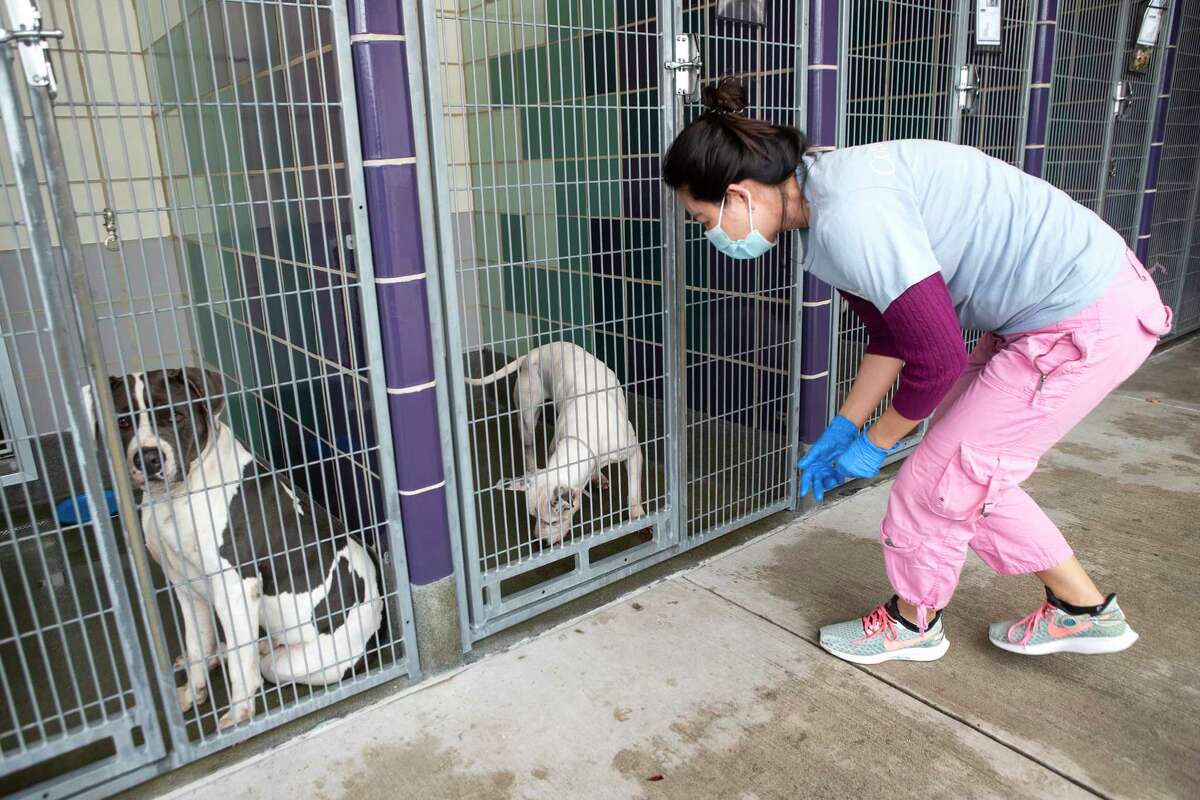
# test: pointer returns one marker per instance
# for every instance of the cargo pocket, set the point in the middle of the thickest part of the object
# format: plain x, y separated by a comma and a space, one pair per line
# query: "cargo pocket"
975, 480
1156, 321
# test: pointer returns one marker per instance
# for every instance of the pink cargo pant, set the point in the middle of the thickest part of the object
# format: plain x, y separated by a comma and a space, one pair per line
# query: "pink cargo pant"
1019, 395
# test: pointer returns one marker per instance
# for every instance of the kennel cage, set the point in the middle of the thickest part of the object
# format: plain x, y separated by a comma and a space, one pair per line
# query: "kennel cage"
548, 121
188, 194
912, 70
1173, 252
1099, 125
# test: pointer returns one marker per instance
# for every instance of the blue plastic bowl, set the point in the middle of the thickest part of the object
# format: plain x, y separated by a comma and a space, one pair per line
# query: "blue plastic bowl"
75, 510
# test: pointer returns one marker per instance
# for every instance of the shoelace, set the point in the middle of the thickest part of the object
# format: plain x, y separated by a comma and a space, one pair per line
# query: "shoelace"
1031, 622
880, 620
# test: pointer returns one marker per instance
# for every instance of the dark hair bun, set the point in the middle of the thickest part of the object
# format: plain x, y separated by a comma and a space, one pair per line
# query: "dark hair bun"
726, 96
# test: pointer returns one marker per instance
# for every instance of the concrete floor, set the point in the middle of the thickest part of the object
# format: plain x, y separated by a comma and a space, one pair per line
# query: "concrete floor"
708, 683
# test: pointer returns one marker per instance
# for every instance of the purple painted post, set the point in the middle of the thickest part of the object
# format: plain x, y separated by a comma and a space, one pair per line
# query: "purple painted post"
1039, 86
818, 296
1150, 190
389, 164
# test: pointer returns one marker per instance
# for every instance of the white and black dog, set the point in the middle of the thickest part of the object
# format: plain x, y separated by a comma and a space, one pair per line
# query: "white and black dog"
242, 544
591, 430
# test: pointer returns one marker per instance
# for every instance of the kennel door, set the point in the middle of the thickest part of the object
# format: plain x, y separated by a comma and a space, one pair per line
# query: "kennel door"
738, 331
550, 120
78, 707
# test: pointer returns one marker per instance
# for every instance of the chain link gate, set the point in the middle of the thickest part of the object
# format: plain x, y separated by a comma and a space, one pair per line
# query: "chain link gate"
917, 70
201, 166
549, 122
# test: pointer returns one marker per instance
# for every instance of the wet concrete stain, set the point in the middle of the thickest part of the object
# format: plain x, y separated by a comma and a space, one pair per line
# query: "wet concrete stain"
1083, 451
1159, 427
698, 760
424, 768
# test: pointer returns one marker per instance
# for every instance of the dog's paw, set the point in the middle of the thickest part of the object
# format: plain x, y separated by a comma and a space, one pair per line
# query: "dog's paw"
191, 698
237, 714
210, 663
636, 511
264, 647
601, 480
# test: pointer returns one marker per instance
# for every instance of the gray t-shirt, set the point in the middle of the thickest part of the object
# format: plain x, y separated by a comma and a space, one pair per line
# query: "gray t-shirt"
1016, 253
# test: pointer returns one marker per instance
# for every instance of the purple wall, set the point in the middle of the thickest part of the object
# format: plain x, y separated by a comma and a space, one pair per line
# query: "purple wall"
389, 163
1156, 137
1039, 88
818, 296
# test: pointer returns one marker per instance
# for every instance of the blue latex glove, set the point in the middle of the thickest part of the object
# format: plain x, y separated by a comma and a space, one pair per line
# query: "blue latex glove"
818, 461
820, 478
862, 459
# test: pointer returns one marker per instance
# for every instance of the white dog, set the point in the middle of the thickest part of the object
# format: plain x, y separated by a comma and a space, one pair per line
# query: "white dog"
591, 430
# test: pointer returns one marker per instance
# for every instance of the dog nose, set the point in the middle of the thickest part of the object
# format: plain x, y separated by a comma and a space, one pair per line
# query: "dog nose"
149, 460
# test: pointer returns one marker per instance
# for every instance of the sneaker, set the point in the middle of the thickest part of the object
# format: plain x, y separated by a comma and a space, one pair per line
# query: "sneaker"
1052, 630
879, 637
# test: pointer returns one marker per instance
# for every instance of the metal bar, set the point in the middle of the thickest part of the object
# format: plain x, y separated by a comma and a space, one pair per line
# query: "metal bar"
1118, 66
423, 53
446, 280
370, 323
76, 354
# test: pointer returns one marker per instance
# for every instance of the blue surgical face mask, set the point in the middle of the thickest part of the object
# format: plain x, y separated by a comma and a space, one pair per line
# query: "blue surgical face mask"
753, 246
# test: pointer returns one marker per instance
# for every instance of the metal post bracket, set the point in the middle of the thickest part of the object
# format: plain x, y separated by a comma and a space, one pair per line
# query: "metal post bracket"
686, 65
32, 42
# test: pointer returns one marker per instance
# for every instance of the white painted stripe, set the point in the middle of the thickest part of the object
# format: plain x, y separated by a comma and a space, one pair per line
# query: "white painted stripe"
1039, 86
822, 66
413, 492
816, 303
804, 377
411, 389
1035, 146
1151, 191
401, 279
388, 162
823, 148
1144, 236
376, 37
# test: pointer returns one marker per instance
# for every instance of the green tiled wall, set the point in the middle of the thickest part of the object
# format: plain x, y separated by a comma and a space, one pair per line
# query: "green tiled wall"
243, 243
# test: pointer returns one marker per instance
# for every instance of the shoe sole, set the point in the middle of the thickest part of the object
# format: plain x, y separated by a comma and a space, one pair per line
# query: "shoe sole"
1091, 645
908, 654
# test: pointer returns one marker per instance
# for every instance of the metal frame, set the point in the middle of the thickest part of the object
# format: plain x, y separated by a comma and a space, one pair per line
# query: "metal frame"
12, 414
54, 275
322, 33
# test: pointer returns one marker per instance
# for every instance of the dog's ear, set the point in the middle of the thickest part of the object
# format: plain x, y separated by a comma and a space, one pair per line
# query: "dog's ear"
202, 383
513, 485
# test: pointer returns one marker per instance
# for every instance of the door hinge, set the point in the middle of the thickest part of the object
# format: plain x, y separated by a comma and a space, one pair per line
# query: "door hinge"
686, 65
32, 42
1122, 97
967, 88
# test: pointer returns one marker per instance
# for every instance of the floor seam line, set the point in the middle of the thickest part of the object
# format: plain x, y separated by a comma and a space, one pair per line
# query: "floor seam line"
1142, 399
908, 693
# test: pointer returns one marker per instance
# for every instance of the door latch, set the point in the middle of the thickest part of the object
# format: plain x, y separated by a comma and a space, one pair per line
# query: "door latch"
32, 43
967, 88
1122, 96
686, 65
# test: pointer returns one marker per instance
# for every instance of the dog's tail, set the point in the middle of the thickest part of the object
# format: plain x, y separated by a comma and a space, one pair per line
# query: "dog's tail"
503, 372
324, 659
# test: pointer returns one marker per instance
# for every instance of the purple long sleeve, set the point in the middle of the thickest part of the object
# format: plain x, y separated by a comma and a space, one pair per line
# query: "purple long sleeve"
920, 328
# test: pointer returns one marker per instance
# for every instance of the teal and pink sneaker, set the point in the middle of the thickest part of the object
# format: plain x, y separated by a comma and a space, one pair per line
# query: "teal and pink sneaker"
880, 637
1050, 629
